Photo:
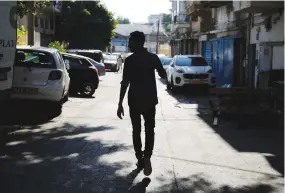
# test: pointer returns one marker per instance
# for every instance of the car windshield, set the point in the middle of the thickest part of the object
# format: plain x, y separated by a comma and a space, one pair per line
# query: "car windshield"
110, 57
162, 58
34, 58
167, 61
191, 61
92, 61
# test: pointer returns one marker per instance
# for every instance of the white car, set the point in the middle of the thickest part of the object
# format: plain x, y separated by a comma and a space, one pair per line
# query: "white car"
189, 70
40, 74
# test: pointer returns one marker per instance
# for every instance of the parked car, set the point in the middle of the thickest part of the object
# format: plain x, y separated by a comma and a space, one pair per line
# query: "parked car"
166, 62
126, 55
119, 55
96, 55
83, 74
189, 70
112, 62
40, 74
99, 66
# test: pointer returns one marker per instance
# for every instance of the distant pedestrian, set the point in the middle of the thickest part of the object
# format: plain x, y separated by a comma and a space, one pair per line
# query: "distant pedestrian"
139, 72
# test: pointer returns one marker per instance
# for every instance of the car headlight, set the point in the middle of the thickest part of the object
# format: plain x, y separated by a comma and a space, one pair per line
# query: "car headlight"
210, 71
180, 71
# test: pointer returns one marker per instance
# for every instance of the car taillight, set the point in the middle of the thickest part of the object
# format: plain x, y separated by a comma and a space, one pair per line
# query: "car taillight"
55, 75
95, 69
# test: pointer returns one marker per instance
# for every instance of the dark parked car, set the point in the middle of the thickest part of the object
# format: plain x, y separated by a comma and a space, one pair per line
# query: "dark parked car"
96, 55
83, 74
112, 62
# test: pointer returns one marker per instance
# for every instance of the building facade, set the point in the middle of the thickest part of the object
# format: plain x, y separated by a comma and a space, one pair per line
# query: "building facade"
242, 40
41, 27
120, 42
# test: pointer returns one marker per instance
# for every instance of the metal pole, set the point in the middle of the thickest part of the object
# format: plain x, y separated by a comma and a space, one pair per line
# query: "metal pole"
157, 36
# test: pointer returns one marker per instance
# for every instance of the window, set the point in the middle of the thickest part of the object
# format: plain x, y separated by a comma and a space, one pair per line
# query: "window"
36, 21
34, 58
167, 61
191, 61
46, 24
73, 62
95, 56
110, 57
51, 22
85, 63
42, 23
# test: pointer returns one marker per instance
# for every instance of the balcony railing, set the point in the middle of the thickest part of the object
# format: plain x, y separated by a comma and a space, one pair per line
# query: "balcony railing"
257, 6
180, 18
215, 4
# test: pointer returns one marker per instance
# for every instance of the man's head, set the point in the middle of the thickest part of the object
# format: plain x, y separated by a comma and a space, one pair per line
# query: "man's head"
136, 41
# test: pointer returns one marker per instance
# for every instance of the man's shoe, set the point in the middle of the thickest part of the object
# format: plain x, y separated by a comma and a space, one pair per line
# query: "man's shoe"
147, 167
140, 164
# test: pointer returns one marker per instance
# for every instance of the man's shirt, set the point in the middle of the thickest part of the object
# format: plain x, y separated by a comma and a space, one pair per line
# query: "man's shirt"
139, 73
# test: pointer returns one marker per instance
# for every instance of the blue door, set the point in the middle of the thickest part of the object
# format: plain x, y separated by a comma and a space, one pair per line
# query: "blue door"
228, 62
218, 55
207, 51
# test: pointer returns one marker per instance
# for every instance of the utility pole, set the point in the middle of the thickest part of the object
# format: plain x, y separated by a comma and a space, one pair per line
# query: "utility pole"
157, 36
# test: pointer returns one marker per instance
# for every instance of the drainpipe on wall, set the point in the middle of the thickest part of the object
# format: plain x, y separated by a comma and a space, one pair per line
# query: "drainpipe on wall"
247, 62
31, 29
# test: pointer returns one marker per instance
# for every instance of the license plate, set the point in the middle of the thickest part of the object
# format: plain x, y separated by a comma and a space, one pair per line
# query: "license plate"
25, 90
3, 75
197, 82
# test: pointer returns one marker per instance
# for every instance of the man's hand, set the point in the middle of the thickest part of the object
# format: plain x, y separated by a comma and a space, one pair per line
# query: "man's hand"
120, 111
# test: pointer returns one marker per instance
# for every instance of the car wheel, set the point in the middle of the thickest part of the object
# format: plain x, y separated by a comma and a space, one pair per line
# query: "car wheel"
66, 97
56, 108
88, 89
173, 87
168, 85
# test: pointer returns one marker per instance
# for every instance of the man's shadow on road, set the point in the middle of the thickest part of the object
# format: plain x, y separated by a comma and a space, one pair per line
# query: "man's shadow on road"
141, 186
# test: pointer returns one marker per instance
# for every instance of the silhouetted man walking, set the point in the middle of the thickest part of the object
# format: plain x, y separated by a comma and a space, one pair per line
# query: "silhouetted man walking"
139, 72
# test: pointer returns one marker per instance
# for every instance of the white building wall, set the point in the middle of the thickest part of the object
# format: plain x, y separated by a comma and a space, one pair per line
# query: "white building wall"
276, 34
223, 17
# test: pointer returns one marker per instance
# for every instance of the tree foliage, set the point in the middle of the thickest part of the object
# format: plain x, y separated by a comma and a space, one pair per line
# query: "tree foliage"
166, 20
122, 20
34, 7
21, 34
85, 25
57, 45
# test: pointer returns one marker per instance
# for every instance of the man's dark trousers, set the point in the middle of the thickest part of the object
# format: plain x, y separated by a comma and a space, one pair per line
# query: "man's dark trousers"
149, 118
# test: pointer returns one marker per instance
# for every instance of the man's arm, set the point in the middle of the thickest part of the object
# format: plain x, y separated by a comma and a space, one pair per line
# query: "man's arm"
125, 82
159, 67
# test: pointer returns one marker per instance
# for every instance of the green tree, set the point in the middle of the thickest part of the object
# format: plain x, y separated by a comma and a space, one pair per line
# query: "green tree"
85, 25
57, 45
166, 20
122, 20
34, 7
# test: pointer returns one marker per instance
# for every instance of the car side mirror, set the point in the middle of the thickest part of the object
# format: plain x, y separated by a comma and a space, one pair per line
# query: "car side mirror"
67, 66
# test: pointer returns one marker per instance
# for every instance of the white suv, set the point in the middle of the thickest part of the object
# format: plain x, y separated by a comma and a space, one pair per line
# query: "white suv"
189, 70
41, 74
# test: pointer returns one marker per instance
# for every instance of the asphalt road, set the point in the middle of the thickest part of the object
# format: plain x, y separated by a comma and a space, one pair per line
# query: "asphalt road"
88, 149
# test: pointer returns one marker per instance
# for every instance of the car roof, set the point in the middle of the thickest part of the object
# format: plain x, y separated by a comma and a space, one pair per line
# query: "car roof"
45, 49
74, 55
79, 50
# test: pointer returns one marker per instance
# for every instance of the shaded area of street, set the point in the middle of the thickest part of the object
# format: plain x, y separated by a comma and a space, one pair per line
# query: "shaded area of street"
87, 149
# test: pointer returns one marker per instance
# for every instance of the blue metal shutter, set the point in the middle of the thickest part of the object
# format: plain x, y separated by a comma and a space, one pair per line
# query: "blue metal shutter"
207, 51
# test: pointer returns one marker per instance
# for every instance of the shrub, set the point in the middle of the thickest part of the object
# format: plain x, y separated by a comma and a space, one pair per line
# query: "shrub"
57, 45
